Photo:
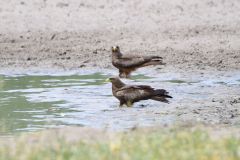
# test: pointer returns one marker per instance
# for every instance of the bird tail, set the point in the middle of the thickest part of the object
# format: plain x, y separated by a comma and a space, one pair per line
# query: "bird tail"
162, 92
156, 57
161, 95
154, 63
161, 99
154, 60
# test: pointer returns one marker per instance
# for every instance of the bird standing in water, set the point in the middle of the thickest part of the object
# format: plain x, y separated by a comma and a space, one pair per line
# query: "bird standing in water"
129, 94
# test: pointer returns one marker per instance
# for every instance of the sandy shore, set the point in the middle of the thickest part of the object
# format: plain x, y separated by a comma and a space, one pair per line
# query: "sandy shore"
73, 34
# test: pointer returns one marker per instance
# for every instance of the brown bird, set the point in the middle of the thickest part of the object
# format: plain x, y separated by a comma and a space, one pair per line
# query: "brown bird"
128, 94
127, 64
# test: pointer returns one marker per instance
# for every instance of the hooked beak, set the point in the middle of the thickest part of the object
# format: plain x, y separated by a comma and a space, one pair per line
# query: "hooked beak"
107, 80
114, 49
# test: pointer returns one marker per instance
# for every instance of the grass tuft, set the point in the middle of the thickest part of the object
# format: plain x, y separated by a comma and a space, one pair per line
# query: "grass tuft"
136, 145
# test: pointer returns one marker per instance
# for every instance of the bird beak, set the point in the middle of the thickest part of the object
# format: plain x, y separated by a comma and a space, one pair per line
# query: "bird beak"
114, 49
107, 80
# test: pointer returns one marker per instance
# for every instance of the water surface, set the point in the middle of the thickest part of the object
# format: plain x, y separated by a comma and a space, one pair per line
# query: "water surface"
35, 102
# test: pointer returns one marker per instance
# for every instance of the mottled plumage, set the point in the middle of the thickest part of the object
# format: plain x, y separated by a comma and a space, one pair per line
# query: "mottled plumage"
128, 94
127, 64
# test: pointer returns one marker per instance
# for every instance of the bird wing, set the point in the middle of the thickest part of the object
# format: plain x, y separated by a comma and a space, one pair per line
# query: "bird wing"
131, 61
127, 62
135, 87
136, 56
135, 92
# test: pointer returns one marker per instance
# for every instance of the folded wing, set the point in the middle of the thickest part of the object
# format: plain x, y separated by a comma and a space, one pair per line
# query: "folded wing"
135, 62
136, 93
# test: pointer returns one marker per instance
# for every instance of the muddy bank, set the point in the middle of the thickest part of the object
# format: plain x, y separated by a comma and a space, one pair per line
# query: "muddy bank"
77, 50
75, 34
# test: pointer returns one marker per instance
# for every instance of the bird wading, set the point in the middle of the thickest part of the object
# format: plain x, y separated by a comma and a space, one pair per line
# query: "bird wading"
129, 94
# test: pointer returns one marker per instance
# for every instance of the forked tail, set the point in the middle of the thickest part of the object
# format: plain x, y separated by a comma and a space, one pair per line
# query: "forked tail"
161, 95
155, 60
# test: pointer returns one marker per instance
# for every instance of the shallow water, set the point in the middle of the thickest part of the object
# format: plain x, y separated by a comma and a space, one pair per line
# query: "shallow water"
34, 102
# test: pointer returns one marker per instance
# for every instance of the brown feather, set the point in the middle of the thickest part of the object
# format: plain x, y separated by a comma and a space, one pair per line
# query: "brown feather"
127, 63
153, 63
134, 93
161, 99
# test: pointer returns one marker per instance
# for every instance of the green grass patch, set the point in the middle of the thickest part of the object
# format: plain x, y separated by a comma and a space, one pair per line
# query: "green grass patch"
135, 145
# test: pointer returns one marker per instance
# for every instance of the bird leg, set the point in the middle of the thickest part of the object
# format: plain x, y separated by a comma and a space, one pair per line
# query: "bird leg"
121, 104
128, 72
129, 104
120, 73
125, 73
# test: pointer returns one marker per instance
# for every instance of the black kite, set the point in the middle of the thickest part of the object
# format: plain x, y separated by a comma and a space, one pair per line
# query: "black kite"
127, 64
128, 94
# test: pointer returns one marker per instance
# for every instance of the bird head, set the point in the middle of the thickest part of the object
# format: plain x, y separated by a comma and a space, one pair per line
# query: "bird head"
112, 79
115, 81
115, 49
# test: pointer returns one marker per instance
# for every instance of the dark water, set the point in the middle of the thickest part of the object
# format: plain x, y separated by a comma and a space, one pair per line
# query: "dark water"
34, 102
